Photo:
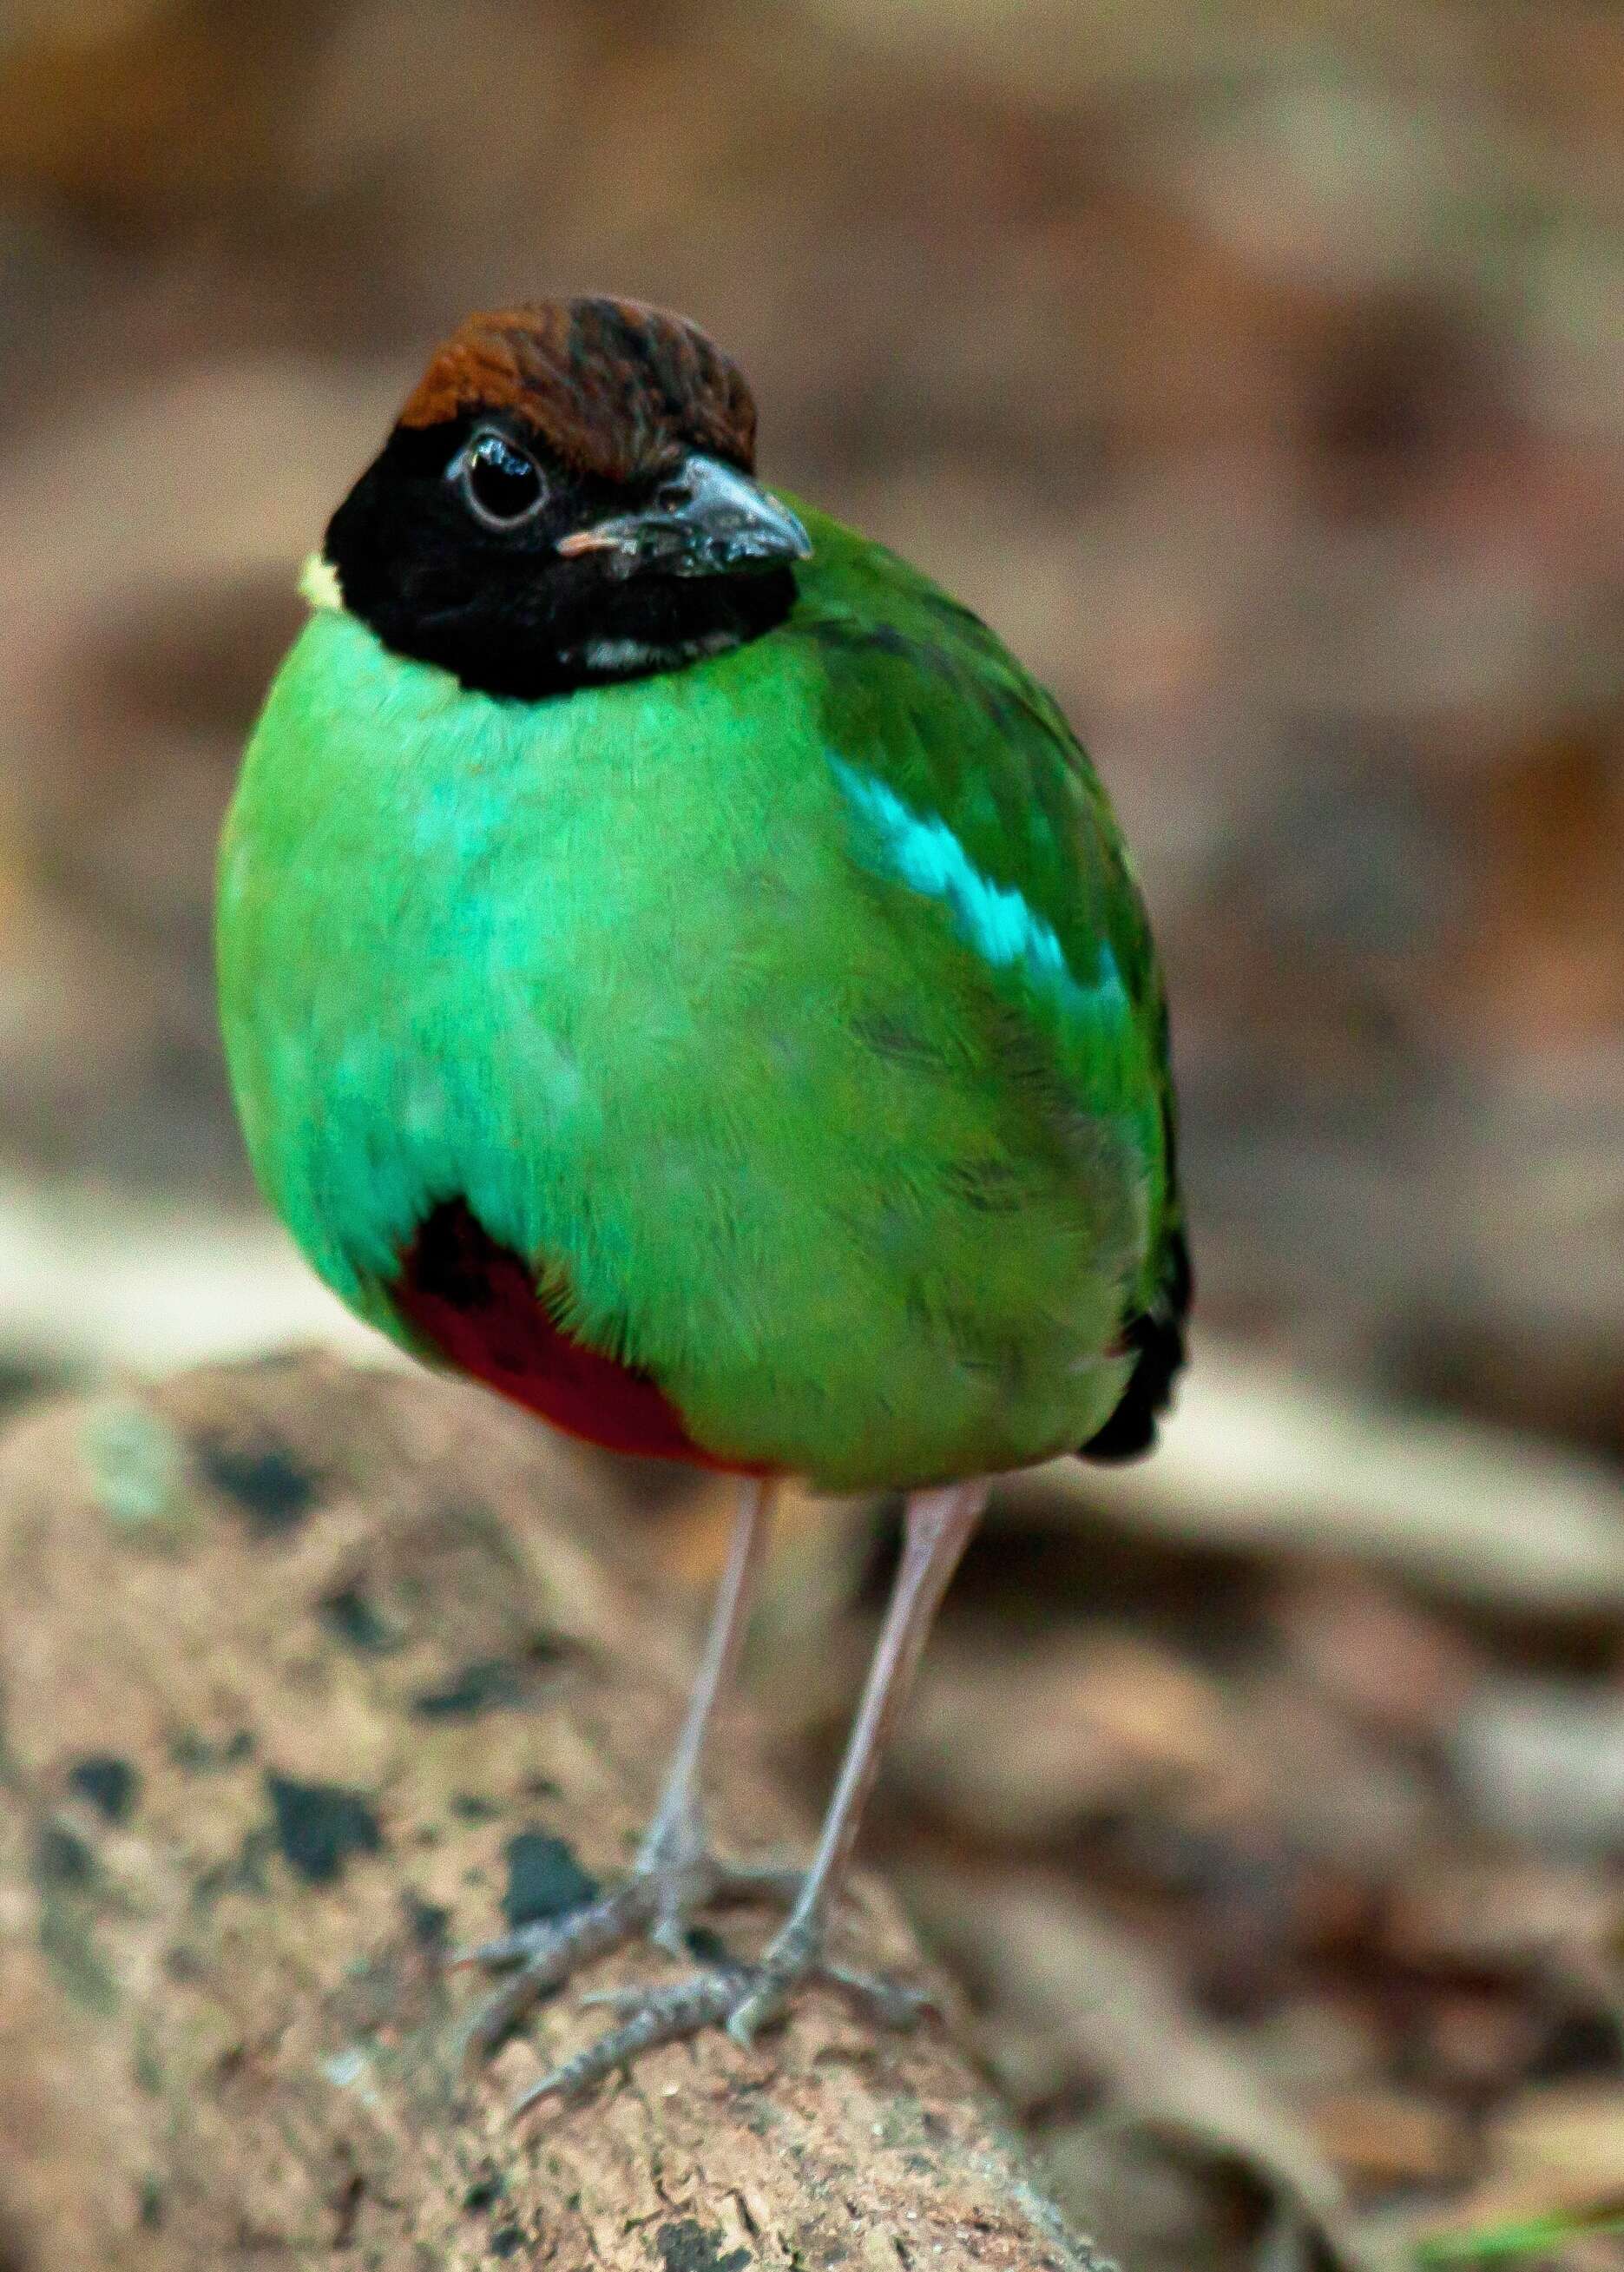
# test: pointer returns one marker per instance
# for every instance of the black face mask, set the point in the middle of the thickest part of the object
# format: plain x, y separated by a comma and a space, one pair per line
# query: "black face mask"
468, 545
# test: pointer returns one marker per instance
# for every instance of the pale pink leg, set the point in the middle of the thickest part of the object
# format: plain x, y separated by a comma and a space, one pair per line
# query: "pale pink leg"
675, 1873
745, 1997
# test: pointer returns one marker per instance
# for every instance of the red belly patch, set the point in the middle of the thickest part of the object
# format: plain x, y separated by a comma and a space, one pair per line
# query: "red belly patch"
474, 1302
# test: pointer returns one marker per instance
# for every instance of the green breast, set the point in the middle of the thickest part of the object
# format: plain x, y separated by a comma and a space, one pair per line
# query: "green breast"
637, 975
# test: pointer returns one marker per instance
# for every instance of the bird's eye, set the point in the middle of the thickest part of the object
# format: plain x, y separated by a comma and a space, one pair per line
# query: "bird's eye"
501, 484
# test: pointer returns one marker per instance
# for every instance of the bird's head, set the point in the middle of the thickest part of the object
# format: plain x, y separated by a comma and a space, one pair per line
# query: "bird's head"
567, 497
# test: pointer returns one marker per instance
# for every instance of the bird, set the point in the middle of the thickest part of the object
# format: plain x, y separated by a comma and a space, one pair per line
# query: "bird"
678, 968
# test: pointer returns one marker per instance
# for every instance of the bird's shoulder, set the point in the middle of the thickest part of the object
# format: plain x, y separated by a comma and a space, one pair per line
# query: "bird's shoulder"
940, 729
978, 792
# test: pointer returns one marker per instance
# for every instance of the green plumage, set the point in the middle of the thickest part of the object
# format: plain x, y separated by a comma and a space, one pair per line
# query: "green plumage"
796, 1010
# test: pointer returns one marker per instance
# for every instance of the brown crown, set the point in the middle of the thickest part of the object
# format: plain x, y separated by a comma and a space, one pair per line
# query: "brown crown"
614, 387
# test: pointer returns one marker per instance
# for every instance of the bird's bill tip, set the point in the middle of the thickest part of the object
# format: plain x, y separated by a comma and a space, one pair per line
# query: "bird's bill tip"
706, 518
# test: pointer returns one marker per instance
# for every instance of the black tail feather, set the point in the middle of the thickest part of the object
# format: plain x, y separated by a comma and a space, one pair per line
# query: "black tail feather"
1156, 1337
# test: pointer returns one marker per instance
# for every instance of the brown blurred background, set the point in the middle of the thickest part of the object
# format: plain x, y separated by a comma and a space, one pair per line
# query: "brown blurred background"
1254, 368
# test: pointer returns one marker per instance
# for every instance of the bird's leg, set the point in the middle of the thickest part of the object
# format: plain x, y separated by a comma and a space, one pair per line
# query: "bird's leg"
675, 1861
674, 1873
746, 1997
938, 1527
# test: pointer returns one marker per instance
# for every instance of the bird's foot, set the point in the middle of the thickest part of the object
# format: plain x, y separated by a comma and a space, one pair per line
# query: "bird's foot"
741, 1998
673, 1879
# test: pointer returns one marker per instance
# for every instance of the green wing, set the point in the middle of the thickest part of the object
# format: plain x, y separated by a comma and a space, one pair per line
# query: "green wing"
967, 785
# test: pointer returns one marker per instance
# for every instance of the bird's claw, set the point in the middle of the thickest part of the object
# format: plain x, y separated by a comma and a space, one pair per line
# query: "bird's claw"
658, 1902
894, 2004
744, 1999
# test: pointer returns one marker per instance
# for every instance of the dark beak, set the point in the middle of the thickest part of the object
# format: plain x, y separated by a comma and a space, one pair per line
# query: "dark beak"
706, 519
